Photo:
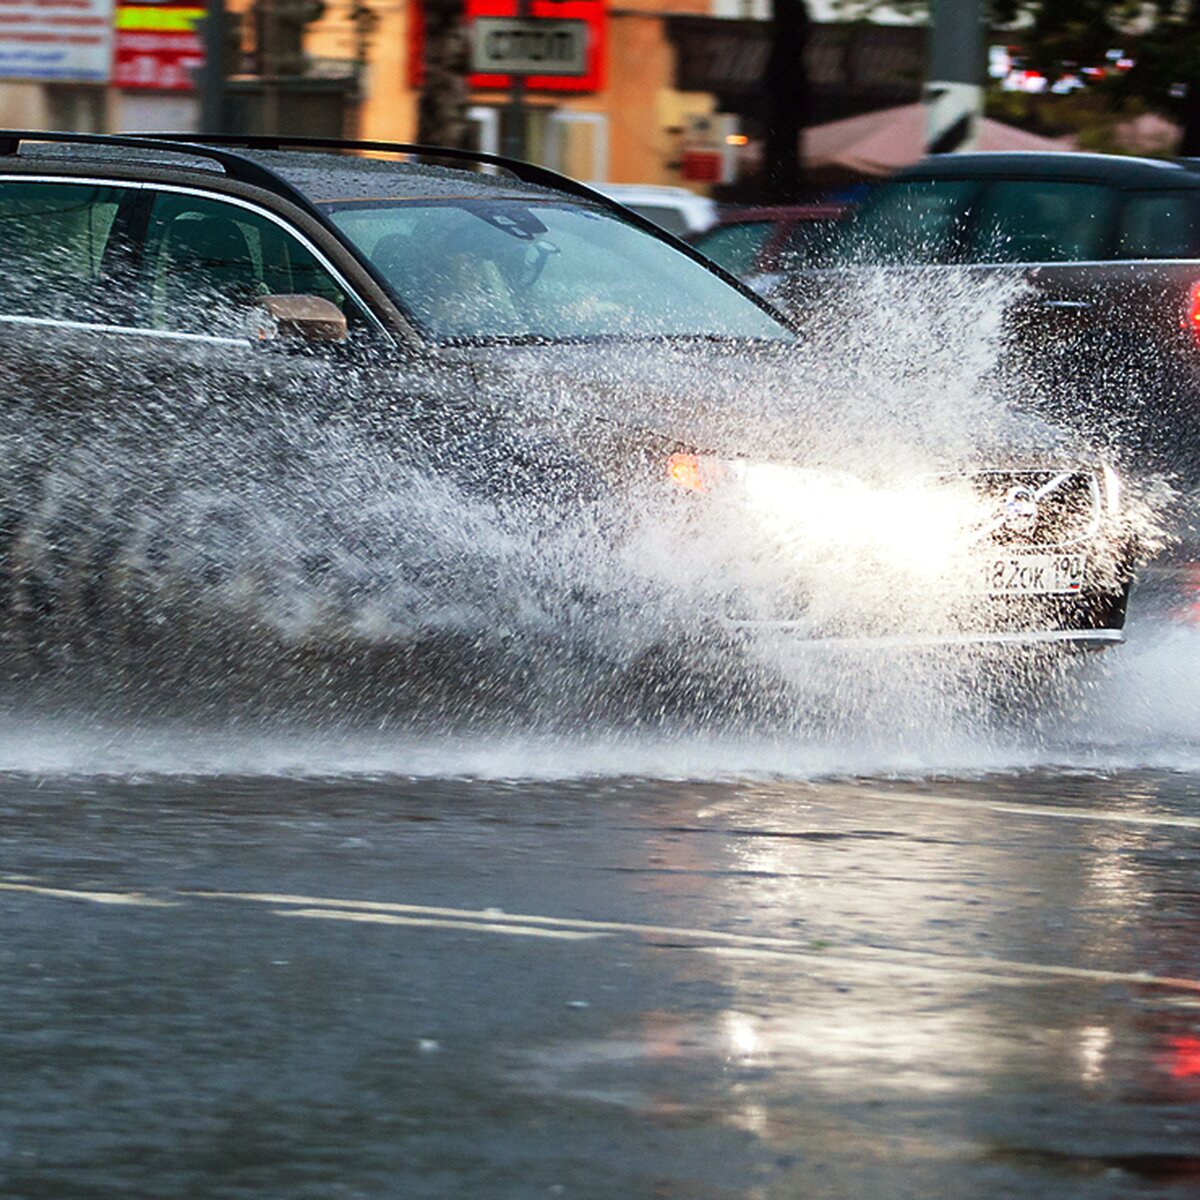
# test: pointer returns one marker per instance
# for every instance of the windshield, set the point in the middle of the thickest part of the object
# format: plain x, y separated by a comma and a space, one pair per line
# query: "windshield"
469, 270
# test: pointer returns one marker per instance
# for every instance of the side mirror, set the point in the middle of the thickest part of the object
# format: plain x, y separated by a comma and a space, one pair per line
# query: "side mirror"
303, 317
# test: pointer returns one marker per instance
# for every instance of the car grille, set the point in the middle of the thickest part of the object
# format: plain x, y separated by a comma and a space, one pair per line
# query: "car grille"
1039, 507
1066, 509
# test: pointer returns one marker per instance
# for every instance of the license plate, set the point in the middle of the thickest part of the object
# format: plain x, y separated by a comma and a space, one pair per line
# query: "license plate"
1034, 575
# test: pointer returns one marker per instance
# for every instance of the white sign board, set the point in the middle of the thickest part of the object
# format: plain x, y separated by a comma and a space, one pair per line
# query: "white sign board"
528, 46
68, 40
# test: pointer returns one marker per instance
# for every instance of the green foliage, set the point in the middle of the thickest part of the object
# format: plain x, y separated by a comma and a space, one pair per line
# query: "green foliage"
1163, 36
1097, 119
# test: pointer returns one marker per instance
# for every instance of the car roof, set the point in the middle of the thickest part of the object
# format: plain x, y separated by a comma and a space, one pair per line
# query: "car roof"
322, 177
1115, 170
325, 178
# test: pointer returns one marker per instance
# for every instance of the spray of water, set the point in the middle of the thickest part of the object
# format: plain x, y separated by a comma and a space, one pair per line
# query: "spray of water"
223, 536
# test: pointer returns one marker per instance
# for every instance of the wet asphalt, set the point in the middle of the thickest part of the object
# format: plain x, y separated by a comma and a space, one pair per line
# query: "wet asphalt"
230, 986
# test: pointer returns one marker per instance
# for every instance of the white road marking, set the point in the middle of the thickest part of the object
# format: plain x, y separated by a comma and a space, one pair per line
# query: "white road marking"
1058, 812
378, 918
824, 964
991, 969
493, 918
129, 898
707, 941
874, 957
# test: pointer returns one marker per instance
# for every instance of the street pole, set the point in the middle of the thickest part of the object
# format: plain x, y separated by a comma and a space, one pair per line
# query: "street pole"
954, 92
212, 74
270, 66
514, 119
785, 100
514, 133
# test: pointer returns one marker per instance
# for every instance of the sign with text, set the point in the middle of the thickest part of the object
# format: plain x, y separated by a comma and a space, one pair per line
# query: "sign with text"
528, 46
157, 47
547, 77
852, 67
66, 40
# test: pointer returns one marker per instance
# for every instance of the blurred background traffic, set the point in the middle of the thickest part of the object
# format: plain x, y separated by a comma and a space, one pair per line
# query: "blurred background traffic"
730, 102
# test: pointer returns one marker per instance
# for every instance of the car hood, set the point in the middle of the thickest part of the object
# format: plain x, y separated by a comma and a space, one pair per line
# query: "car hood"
690, 393
759, 400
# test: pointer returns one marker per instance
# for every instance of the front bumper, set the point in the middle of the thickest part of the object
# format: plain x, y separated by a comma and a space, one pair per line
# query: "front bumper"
795, 634
1088, 622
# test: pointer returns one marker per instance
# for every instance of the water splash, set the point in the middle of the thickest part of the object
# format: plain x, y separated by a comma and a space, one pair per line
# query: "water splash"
221, 537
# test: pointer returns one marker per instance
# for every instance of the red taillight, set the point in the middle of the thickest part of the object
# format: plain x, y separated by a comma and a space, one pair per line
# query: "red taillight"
1184, 1059
1191, 316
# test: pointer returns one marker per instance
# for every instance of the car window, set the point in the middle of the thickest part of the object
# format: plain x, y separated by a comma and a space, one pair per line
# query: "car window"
809, 244
665, 216
1159, 225
1043, 220
207, 263
481, 270
735, 247
911, 221
56, 237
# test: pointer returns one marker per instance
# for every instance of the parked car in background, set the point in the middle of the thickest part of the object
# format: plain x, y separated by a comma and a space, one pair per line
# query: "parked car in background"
675, 209
760, 245
1103, 329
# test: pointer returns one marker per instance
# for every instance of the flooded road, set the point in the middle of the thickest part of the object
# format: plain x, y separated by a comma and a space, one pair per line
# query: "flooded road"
233, 985
883, 955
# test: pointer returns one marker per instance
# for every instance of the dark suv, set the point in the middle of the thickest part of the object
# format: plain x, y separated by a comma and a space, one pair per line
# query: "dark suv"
1104, 328
515, 334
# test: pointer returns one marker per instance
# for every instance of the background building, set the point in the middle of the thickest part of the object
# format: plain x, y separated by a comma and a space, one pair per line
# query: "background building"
670, 92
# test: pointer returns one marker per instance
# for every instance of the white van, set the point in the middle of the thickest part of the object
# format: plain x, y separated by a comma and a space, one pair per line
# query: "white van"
675, 209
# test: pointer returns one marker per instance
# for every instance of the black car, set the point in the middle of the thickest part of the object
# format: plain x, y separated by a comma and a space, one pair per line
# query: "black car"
514, 336
1103, 252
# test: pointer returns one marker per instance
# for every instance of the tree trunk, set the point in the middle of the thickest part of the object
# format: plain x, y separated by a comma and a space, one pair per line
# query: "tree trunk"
442, 111
1189, 142
1188, 108
785, 100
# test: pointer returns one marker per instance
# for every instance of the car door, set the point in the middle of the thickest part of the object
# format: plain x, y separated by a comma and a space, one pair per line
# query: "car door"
135, 364
112, 293
1099, 331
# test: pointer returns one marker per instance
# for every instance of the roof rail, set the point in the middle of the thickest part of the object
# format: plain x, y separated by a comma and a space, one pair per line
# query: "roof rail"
234, 165
221, 148
526, 171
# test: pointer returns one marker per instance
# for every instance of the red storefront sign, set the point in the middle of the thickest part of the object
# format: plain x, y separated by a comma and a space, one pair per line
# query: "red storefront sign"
590, 11
701, 166
157, 47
